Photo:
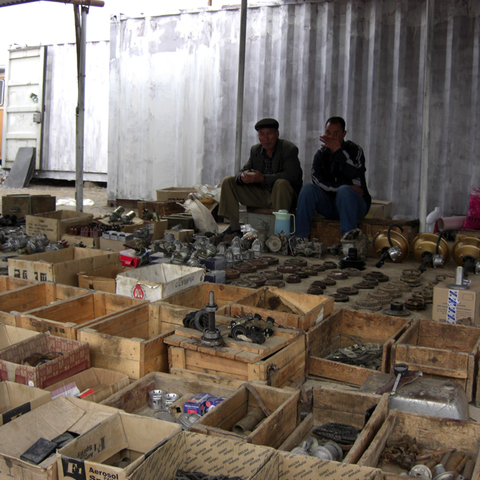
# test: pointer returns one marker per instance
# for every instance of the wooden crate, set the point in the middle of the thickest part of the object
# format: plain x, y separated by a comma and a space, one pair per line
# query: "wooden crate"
11, 283
433, 432
289, 309
440, 350
160, 208
134, 397
129, 341
175, 307
278, 362
282, 419
66, 317
343, 329
346, 407
33, 296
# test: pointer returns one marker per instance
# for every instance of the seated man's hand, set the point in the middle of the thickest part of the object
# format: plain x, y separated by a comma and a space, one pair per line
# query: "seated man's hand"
357, 189
252, 176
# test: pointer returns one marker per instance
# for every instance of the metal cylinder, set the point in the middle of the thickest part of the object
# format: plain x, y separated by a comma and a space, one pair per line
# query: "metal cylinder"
170, 398
249, 421
156, 399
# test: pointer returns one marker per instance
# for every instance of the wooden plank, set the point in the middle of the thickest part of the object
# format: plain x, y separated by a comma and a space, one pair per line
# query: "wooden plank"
320, 367
206, 377
116, 364
176, 358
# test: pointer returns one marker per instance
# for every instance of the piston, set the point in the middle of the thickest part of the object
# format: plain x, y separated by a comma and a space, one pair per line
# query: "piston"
156, 399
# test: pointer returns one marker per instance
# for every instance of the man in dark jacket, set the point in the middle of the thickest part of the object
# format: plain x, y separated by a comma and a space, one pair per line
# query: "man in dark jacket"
338, 190
272, 177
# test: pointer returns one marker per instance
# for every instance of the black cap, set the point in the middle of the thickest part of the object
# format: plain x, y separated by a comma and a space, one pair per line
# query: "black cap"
266, 123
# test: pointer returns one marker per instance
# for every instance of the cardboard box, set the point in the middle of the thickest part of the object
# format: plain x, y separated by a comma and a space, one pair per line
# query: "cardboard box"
289, 309
55, 224
159, 229
17, 399
114, 245
22, 205
452, 304
47, 421
104, 383
74, 358
289, 466
342, 329
10, 335
174, 194
98, 451
101, 279
184, 235
89, 242
146, 209
208, 455
155, 282
425, 342
33, 296
130, 341
281, 405
433, 433
60, 266
347, 407
380, 209
136, 224
64, 318
134, 397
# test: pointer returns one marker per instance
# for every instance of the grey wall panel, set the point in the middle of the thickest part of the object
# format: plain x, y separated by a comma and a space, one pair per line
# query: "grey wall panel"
364, 60
61, 102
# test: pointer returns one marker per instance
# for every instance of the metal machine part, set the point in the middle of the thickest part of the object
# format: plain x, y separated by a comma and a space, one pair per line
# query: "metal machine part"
400, 370
420, 471
458, 285
330, 451
430, 249
211, 335
127, 219
156, 399
355, 239
466, 253
249, 422
426, 396
390, 244
116, 215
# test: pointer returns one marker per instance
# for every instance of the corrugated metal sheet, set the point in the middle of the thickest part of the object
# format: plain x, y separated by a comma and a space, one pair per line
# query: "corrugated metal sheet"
173, 93
60, 107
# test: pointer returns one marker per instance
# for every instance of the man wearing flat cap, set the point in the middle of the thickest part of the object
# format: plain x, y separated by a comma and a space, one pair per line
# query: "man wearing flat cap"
272, 177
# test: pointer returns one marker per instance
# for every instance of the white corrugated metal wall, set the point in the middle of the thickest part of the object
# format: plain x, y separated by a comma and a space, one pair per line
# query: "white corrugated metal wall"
173, 93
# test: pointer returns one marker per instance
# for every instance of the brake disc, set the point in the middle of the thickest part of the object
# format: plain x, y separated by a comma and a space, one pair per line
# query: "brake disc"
379, 276
319, 284
270, 260
382, 298
293, 279
299, 262
329, 281
347, 291
397, 310
330, 265
231, 274
372, 305
258, 280
338, 297
259, 263
318, 267
364, 286
313, 290
338, 275
415, 304
272, 275
287, 268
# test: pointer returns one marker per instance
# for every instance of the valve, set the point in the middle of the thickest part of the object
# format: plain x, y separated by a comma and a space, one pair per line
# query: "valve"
390, 245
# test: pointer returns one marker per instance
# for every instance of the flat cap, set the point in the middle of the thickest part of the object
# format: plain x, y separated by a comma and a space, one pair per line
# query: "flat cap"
266, 123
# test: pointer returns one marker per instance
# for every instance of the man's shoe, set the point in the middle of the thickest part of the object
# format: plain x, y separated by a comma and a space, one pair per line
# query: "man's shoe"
230, 231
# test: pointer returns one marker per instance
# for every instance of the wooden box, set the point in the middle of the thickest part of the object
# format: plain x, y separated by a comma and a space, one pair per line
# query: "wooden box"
104, 384
23, 205
279, 405
74, 358
288, 309
345, 328
129, 341
278, 362
346, 407
66, 317
160, 208
33, 296
11, 283
134, 397
440, 350
435, 434
176, 306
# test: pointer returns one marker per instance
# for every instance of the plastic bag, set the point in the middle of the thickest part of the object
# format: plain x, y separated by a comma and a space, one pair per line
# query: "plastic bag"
202, 217
472, 222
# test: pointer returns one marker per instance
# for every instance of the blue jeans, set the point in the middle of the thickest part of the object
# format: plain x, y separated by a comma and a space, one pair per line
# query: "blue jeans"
348, 206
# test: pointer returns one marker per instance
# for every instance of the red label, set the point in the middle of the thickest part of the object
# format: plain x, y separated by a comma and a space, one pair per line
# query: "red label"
138, 292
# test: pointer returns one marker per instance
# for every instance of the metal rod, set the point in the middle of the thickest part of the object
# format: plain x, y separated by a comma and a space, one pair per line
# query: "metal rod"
87, 3
80, 118
240, 86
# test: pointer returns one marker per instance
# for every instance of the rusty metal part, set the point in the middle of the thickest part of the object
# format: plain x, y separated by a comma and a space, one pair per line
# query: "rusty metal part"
249, 422
311, 271
245, 267
275, 283
402, 286
319, 284
371, 281
318, 267
258, 280
339, 297
293, 278
364, 286
371, 305
231, 274
330, 265
397, 309
410, 272
298, 262
270, 260
402, 452
415, 304
329, 281
272, 275
313, 290
426, 296
242, 283
302, 273
338, 274
391, 290
347, 291
379, 276
382, 297
259, 263
287, 268
352, 272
